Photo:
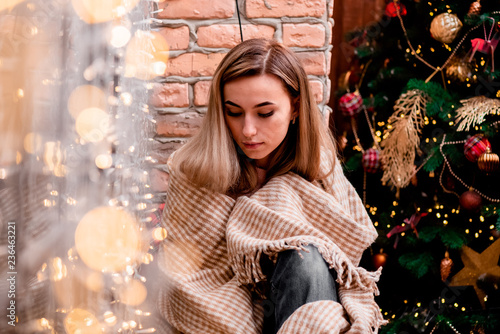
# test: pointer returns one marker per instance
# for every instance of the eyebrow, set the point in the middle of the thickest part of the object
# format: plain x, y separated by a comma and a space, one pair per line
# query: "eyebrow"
262, 104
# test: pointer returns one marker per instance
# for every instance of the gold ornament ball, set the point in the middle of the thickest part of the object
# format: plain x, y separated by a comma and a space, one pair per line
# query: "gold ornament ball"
459, 70
475, 8
488, 161
445, 27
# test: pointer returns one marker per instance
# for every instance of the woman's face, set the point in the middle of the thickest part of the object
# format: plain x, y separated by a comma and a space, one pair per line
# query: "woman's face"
258, 111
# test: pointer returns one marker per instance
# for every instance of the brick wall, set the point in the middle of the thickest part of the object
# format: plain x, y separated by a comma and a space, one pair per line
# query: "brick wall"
201, 32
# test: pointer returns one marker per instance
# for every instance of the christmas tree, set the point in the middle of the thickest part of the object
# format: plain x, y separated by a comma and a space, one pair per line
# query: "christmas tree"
420, 142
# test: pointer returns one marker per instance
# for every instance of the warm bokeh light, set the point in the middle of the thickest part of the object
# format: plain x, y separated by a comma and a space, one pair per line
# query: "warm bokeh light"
92, 124
84, 97
107, 239
94, 281
32, 142
80, 321
53, 156
120, 36
97, 11
133, 293
103, 161
147, 55
9, 4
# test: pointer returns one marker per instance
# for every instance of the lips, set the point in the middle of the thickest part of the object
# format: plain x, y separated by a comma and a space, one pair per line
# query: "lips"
251, 146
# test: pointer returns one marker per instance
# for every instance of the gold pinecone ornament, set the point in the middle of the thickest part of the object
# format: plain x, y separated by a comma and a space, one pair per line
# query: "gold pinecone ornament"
488, 161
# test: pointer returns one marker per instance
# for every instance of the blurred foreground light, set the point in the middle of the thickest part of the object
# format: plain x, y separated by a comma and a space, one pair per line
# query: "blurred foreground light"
9, 4
84, 97
92, 124
133, 293
103, 161
146, 56
96, 11
107, 239
80, 321
32, 142
120, 36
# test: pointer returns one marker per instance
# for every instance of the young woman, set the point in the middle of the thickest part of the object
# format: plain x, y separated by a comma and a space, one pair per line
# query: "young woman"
264, 231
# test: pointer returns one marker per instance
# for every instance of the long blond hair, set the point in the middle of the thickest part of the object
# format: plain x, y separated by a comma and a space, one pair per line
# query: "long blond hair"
211, 159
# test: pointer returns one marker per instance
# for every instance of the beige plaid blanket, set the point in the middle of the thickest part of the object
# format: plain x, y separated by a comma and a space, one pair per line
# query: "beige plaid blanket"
212, 254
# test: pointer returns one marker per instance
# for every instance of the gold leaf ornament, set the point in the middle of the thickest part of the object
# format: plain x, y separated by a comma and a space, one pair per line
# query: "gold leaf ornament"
402, 138
473, 111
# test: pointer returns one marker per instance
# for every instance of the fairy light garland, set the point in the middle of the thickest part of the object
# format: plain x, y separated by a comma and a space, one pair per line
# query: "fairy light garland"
455, 175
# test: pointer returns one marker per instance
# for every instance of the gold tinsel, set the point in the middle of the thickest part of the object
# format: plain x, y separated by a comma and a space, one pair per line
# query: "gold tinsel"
402, 138
474, 110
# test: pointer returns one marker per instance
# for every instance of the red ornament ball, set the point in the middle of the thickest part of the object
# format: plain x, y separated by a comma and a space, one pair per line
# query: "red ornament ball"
350, 103
475, 147
379, 259
470, 200
391, 9
371, 160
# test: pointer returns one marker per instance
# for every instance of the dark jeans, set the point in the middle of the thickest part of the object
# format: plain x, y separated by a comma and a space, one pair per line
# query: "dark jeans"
295, 281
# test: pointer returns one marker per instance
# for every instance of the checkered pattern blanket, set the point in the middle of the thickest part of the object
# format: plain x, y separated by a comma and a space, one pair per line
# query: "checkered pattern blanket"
212, 254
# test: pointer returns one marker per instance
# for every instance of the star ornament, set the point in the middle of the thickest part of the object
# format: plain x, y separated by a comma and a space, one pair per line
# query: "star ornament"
476, 264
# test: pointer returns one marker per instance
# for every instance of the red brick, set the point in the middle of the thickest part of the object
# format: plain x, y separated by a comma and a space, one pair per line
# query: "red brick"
196, 9
314, 62
194, 64
161, 151
158, 180
330, 8
228, 35
304, 35
279, 8
177, 38
201, 91
317, 90
178, 125
170, 95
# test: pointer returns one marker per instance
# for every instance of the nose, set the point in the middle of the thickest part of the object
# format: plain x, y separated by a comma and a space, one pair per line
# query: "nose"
249, 128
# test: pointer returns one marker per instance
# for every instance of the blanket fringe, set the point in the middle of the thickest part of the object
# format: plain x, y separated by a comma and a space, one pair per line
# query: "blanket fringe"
248, 271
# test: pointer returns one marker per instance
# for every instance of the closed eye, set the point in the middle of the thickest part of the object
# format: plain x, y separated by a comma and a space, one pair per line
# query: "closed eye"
232, 114
267, 115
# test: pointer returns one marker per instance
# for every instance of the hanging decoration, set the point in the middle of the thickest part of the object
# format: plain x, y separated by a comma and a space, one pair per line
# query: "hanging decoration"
402, 138
488, 161
474, 110
477, 264
486, 45
445, 27
350, 103
371, 160
475, 146
379, 259
409, 224
393, 8
475, 8
448, 165
470, 200
446, 266
459, 70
